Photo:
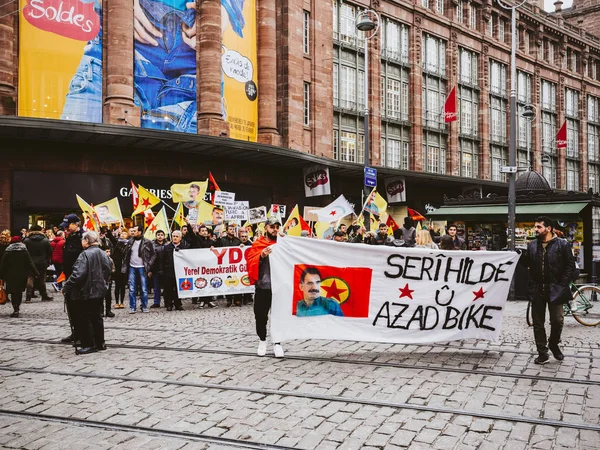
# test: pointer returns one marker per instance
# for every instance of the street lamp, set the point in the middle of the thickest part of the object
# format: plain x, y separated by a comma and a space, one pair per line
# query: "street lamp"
529, 113
512, 147
370, 27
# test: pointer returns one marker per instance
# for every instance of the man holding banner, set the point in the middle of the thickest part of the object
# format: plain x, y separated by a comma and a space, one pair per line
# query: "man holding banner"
259, 272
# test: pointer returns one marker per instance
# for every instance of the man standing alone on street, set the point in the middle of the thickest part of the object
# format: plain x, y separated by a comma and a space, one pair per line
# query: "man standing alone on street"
87, 285
139, 260
551, 270
259, 272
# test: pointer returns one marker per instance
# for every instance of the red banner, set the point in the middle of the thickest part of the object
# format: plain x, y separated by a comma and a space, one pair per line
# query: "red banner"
561, 136
69, 18
450, 114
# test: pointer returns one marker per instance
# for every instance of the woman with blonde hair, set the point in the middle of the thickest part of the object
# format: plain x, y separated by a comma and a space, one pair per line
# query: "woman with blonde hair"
4, 241
424, 240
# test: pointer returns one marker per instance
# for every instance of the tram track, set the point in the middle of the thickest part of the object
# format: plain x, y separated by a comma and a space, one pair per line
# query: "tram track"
158, 432
309, 396
164, 330
443, 369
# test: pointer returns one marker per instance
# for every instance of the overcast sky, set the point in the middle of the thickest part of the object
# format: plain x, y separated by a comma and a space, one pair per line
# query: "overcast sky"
549, 4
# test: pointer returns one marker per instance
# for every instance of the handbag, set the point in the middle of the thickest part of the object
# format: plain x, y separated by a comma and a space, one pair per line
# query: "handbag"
3, 295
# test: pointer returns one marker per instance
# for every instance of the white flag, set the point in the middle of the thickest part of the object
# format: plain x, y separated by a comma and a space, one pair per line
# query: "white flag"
335, 211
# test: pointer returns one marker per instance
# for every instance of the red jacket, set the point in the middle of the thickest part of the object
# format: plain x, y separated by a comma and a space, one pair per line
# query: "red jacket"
57, 245
253, 257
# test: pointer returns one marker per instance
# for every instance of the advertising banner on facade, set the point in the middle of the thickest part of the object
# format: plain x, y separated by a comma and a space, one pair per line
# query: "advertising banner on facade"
316, 181
240, 68
331, 290
395, 189
60, 59
207, 272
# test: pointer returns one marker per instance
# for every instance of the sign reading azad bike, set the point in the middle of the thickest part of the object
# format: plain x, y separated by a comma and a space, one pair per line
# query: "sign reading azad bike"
327, 290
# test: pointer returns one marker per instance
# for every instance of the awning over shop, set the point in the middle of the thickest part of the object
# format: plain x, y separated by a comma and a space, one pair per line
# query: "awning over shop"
471, 212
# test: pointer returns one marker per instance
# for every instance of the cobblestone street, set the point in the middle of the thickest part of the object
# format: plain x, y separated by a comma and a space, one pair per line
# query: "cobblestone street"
191, 379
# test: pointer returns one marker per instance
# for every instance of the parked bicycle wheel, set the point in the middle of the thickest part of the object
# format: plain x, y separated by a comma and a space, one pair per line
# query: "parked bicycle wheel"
528, 315
585, 310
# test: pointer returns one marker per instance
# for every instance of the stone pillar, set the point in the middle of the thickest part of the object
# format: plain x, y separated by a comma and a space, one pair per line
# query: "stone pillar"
267, 73
118, 106
8, 66
453, 161
485, 158
416, 95
208, 66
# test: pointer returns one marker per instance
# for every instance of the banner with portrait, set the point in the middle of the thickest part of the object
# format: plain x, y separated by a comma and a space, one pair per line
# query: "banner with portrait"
60, 59
208, 272
333, 290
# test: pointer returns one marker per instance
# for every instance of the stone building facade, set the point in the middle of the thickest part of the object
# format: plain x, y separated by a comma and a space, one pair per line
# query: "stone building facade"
311, 84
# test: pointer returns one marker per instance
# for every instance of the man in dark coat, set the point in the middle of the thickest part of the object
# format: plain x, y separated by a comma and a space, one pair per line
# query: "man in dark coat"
230, 240
551, 270
71, 251
157, 276
15, 267
87, 285
40, 250
138, 262
168, 269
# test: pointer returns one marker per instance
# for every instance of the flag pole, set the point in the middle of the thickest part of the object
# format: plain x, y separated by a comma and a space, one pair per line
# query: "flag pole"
169, 206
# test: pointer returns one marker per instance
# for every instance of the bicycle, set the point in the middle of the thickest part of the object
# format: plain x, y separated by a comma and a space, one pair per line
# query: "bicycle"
585, 306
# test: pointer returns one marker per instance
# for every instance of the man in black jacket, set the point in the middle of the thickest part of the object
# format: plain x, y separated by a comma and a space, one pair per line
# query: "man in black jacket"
159, 245
87, 285
231, 240
168, 269
40, 251
71, 252
138, 262
551, 270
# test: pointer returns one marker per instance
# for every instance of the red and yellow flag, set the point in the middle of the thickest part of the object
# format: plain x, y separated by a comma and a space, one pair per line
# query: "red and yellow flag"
146, 200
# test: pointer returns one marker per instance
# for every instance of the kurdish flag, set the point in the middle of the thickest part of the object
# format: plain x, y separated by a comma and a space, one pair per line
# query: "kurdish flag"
146, 200
159, 223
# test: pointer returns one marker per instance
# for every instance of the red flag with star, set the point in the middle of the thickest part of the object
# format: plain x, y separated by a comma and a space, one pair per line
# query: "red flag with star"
349, 286
212, 187
146, 200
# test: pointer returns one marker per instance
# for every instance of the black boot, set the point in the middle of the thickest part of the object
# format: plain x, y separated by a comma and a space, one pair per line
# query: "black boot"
110, 314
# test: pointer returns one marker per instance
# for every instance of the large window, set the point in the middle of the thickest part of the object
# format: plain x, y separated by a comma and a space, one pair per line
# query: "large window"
394, 41
344, 23
306, 115
524, 125
499, 159
548, 104
593, 139
434, 55
306, 33
498, 108
394, 146
572, 116
468, 99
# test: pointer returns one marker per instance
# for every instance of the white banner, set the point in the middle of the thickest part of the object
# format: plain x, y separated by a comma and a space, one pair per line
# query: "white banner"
206, 272
333, 290
238, 212
395, 188
224, 198
316, 181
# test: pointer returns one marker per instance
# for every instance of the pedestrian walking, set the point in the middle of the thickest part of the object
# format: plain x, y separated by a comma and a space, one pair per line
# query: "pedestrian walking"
87, 285
40, 251
259, 272
71, 251
551, 269
137, 263
15, 268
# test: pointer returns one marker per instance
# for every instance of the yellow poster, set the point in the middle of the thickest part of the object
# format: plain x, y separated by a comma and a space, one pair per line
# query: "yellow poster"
60, 59
239, 66
109, 211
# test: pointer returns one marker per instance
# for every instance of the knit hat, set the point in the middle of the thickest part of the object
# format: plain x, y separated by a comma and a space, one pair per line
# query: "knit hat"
15, 239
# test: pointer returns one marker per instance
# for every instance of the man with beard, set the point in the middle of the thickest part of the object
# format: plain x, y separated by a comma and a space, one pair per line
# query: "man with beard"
138, 261
159, 246
382, 237
71, 252
551, 270
259, 272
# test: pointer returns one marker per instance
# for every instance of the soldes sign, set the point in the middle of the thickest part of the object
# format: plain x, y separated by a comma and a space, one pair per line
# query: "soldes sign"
395, 188
317, 178
69, 18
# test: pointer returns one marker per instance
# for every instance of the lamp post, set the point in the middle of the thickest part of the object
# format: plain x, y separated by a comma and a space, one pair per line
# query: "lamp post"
370, 27
529, 113
512, 146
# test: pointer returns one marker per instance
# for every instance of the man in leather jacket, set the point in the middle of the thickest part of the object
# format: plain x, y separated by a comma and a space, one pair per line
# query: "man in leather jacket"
87, 286
551, 270
138, 262
71, 251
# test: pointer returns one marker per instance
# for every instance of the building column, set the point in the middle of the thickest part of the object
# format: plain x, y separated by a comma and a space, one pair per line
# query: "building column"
416, 95
8, 66
485, 158
267, 73
208, 68
453, 161
118, 108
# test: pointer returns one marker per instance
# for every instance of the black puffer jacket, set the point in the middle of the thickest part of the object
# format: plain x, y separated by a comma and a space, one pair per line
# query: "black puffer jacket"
90, 276
559, 269
158, 251
71, 251
146, 252
15, 267
39, 248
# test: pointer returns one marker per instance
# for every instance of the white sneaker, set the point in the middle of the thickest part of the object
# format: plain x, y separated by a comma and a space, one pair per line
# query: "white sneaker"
145, 310
131, 311
278, 350
212, 305
262, 348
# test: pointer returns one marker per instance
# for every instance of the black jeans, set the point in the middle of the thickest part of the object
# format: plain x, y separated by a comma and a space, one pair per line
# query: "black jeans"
16, 298
557, 318
108, 297
73, 308
262, 306
92, 325
170, 293
38, 282
120, 283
